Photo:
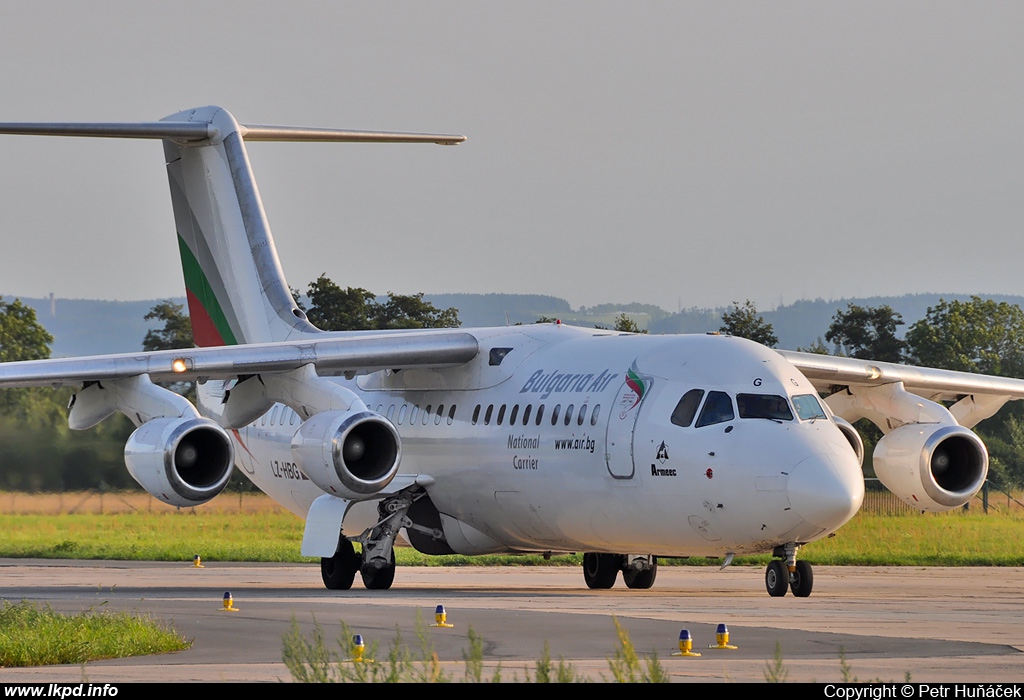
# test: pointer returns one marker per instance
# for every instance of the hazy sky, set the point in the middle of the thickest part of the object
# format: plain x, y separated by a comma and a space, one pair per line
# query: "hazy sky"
675, 153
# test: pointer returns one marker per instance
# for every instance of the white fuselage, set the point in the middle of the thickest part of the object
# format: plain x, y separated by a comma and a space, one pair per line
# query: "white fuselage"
562, 439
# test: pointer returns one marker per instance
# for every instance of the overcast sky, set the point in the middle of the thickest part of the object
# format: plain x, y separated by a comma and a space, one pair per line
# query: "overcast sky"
675, 153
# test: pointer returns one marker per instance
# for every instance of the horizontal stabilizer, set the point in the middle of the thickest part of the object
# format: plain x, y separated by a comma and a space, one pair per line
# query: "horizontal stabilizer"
201, 131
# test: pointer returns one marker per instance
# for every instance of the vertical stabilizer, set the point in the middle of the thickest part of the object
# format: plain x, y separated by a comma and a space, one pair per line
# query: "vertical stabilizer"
235, 286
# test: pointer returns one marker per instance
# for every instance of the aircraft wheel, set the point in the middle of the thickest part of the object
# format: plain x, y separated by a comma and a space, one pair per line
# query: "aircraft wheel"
802, 580
643, 578
339, 571
600, 570
379, 579
776, 578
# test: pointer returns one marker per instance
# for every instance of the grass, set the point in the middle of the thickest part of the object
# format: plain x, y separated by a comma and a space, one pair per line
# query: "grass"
37, 636
315, 660
253, 529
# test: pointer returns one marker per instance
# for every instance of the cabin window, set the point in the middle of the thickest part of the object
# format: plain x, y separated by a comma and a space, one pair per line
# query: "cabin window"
413, 412
402, 412
437, 416
501, 414
526, 413
540, 413
594, 414
767, 406
512, 416
554, 413
568, 414
717, 409
686, 409
391, 411
426, 414
487, 414
808, 407
582, 416
476, 414
451, 414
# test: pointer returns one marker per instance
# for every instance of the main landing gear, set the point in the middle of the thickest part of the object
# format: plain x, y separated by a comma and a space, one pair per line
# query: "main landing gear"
601, 570
376, 564
789, 574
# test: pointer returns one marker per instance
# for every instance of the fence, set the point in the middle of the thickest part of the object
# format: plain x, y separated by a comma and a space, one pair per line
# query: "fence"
113, 502
879, 500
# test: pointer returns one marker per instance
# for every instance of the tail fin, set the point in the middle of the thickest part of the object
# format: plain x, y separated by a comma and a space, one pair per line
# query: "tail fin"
236, 289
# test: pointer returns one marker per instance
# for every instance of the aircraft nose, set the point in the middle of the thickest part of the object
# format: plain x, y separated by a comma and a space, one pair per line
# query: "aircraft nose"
826, 490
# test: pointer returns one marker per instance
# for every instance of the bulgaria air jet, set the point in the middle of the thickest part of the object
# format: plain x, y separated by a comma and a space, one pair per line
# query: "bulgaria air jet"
542, 438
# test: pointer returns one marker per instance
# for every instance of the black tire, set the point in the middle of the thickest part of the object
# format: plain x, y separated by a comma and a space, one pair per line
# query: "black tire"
379, 579
601, 570
339, 571
641, 579
802, 580
776, 578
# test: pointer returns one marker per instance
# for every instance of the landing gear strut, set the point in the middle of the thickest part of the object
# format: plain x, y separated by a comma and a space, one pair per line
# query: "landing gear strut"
378, 564
790, 574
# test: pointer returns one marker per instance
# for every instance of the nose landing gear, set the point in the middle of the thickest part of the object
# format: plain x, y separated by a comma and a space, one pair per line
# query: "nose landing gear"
790, 574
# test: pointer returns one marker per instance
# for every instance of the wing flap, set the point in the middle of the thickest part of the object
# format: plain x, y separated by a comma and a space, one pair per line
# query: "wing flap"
361, 353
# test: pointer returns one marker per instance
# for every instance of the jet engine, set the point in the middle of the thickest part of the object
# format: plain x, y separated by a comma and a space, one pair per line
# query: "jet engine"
182, 461
349, 454
932, 467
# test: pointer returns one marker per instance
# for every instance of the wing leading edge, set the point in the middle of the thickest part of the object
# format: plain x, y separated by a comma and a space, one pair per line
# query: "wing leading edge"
825, 371
330, 356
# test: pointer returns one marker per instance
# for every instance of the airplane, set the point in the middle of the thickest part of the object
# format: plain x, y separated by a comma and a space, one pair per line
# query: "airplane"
541, 438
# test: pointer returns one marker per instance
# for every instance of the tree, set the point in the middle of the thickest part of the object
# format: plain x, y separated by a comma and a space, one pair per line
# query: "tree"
22, 337
818, 347
979, 335
354, 308
411, 311
867, 333
177, 329
743, 321
626, 324
335, 309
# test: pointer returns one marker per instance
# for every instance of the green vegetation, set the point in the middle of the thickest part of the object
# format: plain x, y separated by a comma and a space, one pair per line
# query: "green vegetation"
743, 321
35, 636
313, 660
952, 539
353, 309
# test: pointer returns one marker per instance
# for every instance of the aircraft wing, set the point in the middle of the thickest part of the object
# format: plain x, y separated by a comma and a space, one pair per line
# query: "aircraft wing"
827, 371
330, 356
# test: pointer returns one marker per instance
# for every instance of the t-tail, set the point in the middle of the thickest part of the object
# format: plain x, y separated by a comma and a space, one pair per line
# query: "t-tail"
234, 283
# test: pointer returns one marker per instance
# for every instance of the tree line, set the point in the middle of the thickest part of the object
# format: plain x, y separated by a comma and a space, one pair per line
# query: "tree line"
39, 452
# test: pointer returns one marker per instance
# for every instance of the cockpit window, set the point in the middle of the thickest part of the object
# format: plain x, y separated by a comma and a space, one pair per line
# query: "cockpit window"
808, 407
717, 409
686, 409
763, 406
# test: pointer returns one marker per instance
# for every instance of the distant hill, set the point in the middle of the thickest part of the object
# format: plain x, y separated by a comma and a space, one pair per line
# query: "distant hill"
93, 327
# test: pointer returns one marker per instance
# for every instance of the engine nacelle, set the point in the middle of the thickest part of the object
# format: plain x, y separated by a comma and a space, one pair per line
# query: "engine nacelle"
349, 454
932, 467
182, 461
852, 437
